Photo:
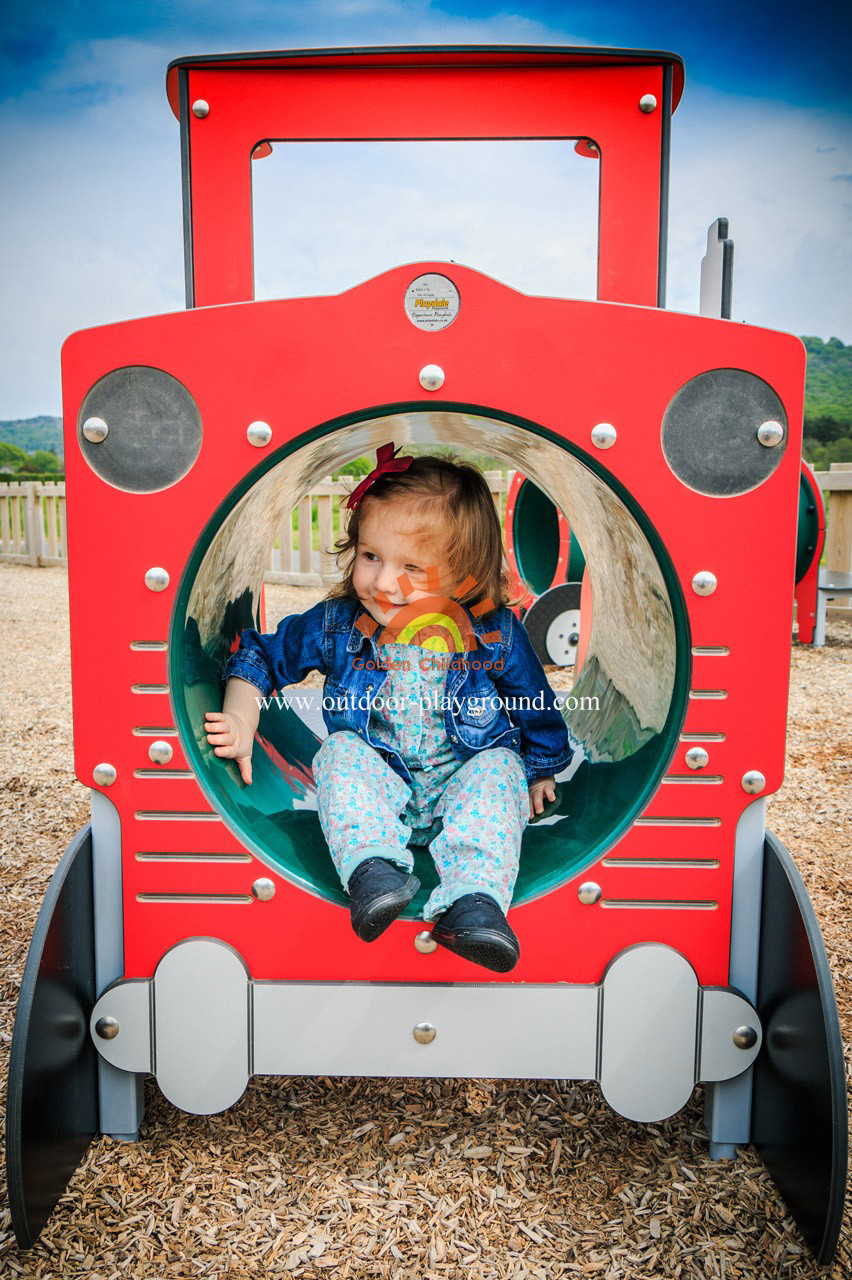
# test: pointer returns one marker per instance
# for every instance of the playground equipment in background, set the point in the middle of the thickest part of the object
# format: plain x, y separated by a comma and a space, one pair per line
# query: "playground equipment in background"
810, 541
549, 566
196, 929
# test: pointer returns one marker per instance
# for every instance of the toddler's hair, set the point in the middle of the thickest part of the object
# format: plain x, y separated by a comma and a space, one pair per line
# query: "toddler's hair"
452, 497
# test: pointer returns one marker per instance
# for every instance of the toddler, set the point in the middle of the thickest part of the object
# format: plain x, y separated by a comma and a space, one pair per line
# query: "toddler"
442, 726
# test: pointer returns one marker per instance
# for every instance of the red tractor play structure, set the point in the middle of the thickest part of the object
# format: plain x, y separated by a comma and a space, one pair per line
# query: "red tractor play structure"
666, 936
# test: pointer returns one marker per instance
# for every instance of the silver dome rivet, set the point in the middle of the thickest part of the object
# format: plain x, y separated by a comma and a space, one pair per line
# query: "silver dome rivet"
589, 893
745, 1037
604, 435
259, 434
647, 103
768, 433
95, 430
696, 758
424, 1033
431, 377
704, 583
157, 579
107, 1028
425, 943
160, 752
104, 774
753, 782
200, 108
263, 889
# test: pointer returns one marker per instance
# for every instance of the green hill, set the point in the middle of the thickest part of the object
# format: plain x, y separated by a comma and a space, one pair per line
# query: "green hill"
33, 433
828, 391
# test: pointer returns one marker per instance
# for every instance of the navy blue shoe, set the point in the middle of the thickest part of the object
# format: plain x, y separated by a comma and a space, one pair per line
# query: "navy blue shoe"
378, 890
474, 927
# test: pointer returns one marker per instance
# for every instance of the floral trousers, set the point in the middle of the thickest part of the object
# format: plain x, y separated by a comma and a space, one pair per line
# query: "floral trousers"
470, 815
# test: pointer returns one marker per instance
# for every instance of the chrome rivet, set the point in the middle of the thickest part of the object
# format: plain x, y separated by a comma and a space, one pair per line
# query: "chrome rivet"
95, 430
160, 752
704, 583
107, 1028
753, 782
589, 893
425, 943
696, 758
157, 579
431, 377
647, 103
263, 889
768, 433
104, 774
424, 1033
604, 435
259, 434
200, 108
745, 1037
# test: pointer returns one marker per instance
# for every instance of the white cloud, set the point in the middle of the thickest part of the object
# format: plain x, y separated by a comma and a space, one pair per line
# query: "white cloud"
769, 168
92, 214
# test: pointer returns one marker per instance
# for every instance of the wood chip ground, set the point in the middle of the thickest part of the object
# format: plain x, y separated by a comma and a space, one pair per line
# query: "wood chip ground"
428, 1180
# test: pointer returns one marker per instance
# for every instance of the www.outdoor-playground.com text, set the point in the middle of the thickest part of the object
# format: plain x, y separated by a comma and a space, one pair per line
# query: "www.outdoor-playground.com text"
433, 702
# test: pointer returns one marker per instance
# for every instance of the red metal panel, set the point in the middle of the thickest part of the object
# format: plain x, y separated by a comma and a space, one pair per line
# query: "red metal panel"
565, 365
345, 103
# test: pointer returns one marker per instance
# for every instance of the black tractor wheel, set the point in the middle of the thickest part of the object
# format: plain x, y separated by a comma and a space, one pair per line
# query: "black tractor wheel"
553, 624
52, 1108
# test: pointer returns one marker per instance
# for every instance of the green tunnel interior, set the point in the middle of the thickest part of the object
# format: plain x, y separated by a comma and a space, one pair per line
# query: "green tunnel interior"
637, 664
535, 537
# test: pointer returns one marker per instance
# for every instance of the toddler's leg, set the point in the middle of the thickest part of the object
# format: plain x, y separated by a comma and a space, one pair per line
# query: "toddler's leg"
359, 798
485, 807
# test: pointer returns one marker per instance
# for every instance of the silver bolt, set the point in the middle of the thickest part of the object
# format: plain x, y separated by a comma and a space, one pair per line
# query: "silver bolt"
696, 758
603, 435
768, 433
200, 108
160, 752
589, 893
104, 774
647, 103
704, 583
753, 782
156, 579
95, 430
263, 889
424, 1033
259, 434
425, 943
107, 1028
431, 377
745, 1037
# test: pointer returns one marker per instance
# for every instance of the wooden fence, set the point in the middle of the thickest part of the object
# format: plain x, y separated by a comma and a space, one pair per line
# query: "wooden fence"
32, 523
32, 526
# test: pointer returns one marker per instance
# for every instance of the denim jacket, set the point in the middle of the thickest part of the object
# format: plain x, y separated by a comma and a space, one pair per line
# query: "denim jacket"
503, 669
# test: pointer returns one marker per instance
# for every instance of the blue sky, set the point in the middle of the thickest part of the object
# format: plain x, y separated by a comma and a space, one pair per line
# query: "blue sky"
90, 203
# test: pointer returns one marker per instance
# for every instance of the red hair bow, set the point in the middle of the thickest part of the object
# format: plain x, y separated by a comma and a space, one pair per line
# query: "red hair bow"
386, 462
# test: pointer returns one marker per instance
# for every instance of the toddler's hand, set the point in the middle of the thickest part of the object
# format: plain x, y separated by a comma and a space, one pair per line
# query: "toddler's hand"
230, 737
541, 791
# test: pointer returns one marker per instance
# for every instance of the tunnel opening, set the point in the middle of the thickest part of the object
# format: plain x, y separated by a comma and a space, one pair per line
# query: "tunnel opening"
625, 711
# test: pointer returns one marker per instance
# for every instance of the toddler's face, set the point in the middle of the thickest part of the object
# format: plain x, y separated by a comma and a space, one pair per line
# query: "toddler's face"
391, 547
